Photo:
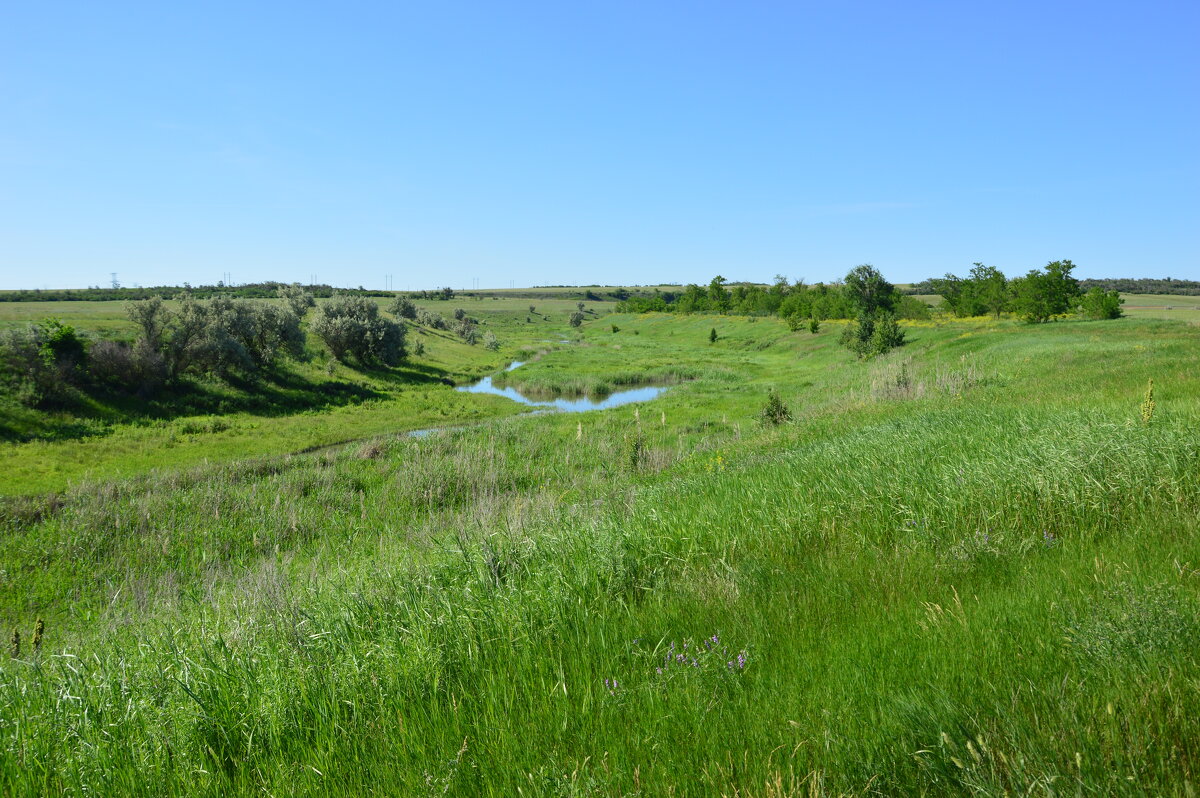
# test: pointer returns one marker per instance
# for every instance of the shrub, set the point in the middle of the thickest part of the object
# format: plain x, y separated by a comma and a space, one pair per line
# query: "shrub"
352, 327
403, 307
775, 412
615, 329
222, 335
871, 335
435, 321
42, 363
576, 319
814, 326
712, 335
490, 341
459, 314
297, 299
133, 369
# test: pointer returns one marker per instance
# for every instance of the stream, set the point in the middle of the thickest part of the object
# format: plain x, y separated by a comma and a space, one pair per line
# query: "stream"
580, 404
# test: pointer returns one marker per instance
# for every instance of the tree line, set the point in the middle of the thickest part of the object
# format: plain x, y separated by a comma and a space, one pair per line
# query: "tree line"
248, 291
50, 364
1037, 296
871, 303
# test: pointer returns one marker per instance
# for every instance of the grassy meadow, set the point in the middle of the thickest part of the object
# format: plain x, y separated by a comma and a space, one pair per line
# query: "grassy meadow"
969, 566
315, 403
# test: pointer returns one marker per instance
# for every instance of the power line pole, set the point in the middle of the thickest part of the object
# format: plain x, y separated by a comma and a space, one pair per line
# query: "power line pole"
115, 283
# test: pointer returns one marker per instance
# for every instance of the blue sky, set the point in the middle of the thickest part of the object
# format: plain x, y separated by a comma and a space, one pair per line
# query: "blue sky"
578, 142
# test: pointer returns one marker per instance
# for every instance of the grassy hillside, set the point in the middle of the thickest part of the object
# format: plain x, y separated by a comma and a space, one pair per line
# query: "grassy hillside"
306, 404
969, 566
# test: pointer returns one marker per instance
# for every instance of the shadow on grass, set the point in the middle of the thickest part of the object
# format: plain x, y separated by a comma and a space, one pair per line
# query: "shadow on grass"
97, 410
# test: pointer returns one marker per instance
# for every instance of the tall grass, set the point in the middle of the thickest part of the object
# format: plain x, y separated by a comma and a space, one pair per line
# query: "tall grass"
989, 590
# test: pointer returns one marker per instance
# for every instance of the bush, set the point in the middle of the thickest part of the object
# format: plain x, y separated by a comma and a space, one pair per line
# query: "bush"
43, 363
297, 299
491, 342
871, 335
133, 369
775, 412
403, 307
468, 331
814, 326
909, 307
712, 335
222, 335
352, 328
1100, 304
434, 321
576, 319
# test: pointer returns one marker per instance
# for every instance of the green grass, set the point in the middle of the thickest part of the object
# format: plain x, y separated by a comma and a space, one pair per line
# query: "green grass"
965, 567
304, 405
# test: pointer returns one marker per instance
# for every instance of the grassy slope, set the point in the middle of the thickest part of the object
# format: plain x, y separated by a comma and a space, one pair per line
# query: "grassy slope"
967, 566
307, 405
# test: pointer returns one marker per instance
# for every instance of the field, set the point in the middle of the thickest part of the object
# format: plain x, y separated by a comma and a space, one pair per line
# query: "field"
969, 566
309, 405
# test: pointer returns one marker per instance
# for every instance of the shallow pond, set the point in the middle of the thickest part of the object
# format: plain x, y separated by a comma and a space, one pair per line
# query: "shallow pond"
580, 404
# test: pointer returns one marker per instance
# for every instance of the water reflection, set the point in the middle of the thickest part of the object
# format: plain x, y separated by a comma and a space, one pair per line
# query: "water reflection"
575, 405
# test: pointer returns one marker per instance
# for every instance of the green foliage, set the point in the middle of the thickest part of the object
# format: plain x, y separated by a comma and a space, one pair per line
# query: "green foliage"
43, 364
1100, 304
775, 412
1043, 294
298, 300
869, 336
868, 292
712, 335
432, 319
353, 328
467, 330
403, 307
615, 329
490, 341
814, 326
576, 319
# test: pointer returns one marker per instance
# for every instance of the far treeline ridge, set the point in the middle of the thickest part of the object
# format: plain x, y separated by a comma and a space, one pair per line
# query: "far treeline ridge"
1038, 296
590, 293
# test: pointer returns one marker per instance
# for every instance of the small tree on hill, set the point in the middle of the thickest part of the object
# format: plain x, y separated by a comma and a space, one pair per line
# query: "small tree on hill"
712, 335
775, 412
868, 291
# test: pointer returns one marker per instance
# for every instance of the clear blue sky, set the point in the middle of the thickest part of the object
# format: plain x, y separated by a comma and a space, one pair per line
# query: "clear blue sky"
578, 142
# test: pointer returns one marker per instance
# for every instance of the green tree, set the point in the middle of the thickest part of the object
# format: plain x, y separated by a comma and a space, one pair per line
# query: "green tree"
1040, 295
990, 289
868, 291
576, 319
712, 335
718, 297
1100, 304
